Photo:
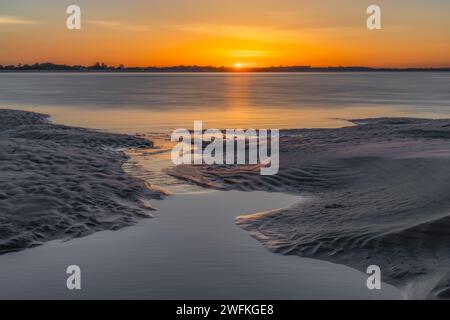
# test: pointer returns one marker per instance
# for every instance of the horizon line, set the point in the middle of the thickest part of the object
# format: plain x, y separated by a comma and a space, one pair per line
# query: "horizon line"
99, 66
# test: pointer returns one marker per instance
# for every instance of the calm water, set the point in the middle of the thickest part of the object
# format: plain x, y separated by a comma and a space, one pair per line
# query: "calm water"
158, 102
193, 249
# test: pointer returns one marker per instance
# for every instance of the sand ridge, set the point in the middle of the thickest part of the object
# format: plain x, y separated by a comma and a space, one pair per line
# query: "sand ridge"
378, 195
60, 182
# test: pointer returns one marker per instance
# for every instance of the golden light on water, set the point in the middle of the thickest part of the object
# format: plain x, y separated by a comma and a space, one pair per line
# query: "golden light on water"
239, 115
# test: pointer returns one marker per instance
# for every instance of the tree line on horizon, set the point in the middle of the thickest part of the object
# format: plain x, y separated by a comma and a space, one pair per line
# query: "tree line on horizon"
102, 67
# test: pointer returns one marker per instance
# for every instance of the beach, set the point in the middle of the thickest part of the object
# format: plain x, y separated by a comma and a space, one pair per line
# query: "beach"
192, 249
230, 158
63, 182
377, 197
92, 183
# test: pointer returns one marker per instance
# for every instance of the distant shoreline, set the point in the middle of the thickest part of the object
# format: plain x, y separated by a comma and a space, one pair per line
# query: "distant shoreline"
101, 67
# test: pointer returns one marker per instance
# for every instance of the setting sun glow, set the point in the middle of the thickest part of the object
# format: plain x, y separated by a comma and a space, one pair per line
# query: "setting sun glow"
213, 33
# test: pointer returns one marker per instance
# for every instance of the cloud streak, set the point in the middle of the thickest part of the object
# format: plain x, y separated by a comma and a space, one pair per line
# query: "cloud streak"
256, 33
119, 25
14, 21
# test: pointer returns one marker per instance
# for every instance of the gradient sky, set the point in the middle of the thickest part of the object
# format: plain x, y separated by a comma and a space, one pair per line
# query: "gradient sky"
226, 32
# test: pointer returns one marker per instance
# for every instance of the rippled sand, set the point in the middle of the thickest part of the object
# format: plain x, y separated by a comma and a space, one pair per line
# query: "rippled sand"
378, 194
63, 182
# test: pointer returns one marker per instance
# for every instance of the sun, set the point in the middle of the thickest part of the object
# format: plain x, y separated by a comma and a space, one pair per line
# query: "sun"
238, 65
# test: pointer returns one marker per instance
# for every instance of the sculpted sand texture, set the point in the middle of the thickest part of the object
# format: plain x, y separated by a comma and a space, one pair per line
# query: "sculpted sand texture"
63, 182
378, 194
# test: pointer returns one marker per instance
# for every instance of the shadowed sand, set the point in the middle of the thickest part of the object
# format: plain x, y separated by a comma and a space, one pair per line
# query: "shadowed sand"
63, 182
378, 194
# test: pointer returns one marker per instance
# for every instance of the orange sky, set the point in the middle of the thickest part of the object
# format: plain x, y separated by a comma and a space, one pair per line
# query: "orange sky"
223, 33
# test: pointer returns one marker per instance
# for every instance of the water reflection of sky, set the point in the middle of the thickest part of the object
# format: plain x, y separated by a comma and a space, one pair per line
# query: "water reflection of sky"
162, 102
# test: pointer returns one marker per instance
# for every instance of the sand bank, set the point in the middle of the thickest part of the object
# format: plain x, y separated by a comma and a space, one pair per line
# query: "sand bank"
60, 182
378, 194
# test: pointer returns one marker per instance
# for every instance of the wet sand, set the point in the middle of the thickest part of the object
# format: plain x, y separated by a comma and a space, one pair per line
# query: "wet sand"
379, 196
64, 182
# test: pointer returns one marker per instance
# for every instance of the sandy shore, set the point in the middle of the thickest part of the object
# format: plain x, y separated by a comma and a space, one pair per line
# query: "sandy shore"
378, 194
373, 193
192, 249
60, 182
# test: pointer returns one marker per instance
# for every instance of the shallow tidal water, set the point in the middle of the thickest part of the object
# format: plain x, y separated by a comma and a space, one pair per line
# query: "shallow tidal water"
192, 249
